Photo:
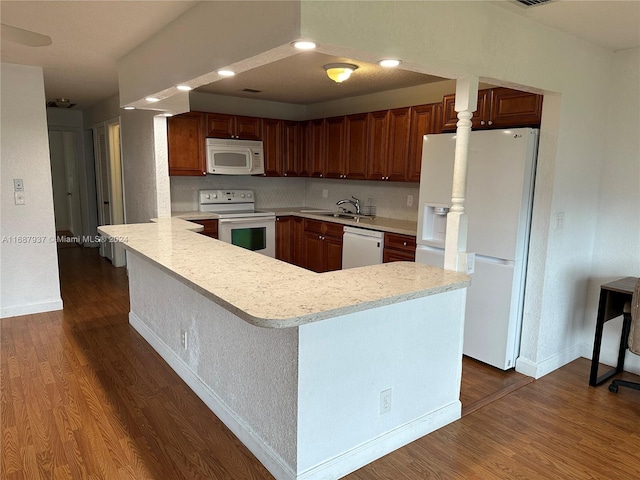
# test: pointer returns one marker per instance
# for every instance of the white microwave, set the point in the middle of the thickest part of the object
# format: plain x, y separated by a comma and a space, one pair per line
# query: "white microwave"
234, 157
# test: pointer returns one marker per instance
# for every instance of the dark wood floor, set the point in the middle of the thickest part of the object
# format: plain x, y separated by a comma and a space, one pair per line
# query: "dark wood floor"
84, 397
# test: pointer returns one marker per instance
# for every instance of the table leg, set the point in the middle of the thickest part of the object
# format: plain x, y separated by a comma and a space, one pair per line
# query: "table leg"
595, 358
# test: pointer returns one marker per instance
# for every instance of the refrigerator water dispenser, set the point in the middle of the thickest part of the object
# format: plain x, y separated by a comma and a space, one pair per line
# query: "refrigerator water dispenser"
434, 222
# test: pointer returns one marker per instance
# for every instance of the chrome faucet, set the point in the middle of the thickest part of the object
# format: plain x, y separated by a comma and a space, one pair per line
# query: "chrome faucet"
355, 202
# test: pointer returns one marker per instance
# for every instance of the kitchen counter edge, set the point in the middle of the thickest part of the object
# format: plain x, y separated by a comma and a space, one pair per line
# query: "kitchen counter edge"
267, 292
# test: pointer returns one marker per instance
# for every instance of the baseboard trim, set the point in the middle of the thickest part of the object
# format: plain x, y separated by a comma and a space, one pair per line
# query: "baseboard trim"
540, 369
270, 459
378, 447
30, 309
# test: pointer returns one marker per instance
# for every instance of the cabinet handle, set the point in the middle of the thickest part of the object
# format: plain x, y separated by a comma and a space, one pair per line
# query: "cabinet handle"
490, 122
285, 174
320, 175
481, 122
404, 243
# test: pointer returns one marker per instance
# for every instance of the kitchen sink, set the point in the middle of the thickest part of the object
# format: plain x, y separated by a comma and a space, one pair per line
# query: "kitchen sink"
348, 215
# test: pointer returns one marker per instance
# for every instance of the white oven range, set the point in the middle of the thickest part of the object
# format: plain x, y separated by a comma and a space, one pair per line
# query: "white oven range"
239, 223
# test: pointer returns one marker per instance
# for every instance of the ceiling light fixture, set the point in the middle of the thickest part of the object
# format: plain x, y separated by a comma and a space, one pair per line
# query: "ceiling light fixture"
226, 73
184, 88
304, 45
389, 62
339, 72
152, 99
129, 107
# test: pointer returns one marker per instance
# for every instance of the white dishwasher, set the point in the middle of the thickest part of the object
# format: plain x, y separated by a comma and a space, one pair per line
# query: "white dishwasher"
361, 247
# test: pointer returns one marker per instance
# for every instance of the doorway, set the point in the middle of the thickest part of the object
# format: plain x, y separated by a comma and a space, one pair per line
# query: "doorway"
109, 184
65, 179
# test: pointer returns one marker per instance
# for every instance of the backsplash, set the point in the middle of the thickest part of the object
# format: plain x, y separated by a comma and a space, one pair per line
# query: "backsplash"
389, 198
270, 192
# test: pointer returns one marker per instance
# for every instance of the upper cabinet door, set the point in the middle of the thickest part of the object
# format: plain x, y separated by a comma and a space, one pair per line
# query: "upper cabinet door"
335, 145
378, 139
220, 125
512, 108
272, 147
356, 148
398, 146
291, 148
186, 144
248, 128
315, 147
422, 123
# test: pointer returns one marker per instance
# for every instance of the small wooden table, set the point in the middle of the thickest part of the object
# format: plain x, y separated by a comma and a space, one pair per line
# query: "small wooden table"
613, 296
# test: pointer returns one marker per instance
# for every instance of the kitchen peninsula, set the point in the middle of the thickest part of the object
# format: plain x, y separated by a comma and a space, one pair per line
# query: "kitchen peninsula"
317, 374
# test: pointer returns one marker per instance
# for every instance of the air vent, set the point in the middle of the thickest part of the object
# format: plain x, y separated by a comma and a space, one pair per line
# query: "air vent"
532, 3
251, 90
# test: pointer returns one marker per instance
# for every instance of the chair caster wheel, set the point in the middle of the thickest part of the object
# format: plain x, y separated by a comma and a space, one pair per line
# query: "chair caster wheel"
613, 388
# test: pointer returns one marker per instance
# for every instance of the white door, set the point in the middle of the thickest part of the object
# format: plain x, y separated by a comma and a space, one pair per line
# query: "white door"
66, 194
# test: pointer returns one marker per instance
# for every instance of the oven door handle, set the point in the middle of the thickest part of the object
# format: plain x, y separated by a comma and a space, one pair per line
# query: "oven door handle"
247, 220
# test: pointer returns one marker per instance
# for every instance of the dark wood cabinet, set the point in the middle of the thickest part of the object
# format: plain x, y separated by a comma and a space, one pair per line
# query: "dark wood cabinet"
221, 125
422, 123
291, 149
314, 152
289, 240
399, 248
497, 108
356, 146
186, 148
210, 227
322, 245
378, 139
511, 108
334, 147
272, 146
284, 233
398, 144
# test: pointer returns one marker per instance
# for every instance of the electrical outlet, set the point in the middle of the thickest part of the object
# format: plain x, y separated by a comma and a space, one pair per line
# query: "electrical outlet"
183, 339
385, 401
325, 193
409, 200
559, 221
19, 198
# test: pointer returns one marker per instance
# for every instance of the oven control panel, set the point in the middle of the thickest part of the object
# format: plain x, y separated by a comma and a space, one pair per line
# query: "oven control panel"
208, 197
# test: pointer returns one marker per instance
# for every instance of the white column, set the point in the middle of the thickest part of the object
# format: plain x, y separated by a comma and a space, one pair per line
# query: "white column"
455, 257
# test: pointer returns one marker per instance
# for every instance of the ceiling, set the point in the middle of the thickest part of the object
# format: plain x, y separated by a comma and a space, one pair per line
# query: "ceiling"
301, 79
90, 36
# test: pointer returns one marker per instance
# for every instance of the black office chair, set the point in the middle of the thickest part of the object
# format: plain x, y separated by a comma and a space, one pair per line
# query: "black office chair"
631, 321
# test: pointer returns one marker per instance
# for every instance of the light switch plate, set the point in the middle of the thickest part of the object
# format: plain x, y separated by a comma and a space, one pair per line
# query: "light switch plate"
18, 185
19, 198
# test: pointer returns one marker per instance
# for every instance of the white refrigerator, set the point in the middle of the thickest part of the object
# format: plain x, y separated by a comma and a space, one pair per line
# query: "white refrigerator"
500, 178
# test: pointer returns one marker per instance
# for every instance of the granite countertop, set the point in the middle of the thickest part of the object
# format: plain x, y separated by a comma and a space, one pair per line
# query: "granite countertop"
267, 292
383, 224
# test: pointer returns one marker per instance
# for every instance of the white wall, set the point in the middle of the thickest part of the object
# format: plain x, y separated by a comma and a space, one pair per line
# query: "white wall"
29, 270
139, 165
616, 251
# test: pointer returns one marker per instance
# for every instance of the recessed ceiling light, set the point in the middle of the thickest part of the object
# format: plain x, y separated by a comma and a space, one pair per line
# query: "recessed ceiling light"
304, 45
167, 114
152, 99
184, 88
389, 62
226, 73
129, 107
